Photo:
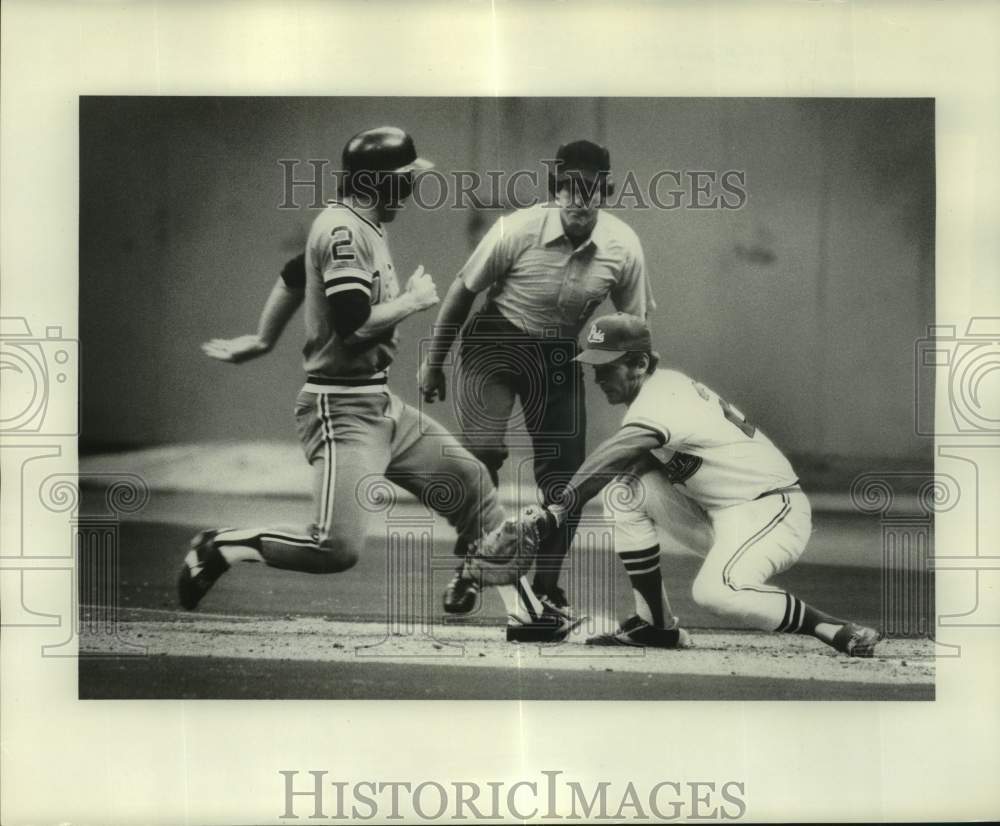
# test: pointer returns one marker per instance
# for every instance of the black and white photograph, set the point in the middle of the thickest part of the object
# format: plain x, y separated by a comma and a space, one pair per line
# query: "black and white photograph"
483, 410
575, 384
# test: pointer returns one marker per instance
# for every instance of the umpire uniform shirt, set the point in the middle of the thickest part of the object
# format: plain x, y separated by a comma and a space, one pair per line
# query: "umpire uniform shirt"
542, 290
538, 281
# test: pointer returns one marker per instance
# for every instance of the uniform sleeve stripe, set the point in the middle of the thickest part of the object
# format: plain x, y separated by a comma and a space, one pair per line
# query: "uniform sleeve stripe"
661, 432
336, 273
343, 288
340, 280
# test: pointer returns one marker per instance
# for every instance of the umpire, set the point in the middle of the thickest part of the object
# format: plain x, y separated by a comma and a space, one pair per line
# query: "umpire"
545, 270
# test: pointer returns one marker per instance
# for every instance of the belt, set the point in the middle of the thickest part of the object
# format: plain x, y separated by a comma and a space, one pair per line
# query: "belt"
490, 322
775, 491
363, 384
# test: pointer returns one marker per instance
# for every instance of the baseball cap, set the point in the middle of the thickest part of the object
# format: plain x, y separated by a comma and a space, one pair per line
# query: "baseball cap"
612, 336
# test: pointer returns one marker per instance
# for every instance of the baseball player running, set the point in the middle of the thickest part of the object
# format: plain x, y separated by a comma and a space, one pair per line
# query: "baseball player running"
679, 437
350, 424
545, 271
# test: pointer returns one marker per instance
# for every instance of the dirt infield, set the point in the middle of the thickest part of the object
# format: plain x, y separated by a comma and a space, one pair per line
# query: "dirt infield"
377, 632
451, 663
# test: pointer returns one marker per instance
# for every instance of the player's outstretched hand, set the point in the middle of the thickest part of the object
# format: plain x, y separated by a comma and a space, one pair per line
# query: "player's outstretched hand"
431, 381
235, 350
421, 289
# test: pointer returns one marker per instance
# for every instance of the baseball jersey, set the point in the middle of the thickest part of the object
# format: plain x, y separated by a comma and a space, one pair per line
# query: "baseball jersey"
709, 450
346, 252
539, 280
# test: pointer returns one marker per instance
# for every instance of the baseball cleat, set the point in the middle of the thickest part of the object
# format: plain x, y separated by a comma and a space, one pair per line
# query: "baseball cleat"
462, 593
554, 625
635, 631
203, 565
856, 640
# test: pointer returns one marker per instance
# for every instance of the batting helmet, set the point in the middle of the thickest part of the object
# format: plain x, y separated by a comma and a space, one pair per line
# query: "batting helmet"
582, 165
372, 158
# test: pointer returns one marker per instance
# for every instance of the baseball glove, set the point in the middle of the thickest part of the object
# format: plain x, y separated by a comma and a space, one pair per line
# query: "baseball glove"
505, 553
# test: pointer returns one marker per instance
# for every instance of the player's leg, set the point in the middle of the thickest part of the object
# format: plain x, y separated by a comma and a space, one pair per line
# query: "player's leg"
556, 417
484, 401
345, 438
646, 514
430, 463
484, 393
755, 542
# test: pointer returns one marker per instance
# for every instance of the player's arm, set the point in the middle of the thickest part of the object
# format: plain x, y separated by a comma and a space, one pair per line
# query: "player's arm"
356, 320
610, 459
282, 303
454, 311
348, 277
488, 262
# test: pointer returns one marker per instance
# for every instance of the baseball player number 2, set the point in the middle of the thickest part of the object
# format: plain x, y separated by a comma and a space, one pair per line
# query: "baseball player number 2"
337, 247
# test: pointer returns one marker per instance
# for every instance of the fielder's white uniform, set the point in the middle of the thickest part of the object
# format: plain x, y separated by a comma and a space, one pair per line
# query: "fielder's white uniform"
711, 456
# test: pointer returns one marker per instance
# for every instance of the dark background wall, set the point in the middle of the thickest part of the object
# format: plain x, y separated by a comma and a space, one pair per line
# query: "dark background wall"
803, 306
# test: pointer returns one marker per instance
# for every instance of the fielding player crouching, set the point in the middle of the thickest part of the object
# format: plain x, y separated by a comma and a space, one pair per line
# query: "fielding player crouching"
683, 449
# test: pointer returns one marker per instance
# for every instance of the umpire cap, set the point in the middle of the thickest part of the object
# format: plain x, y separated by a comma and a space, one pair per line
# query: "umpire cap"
579, 162
612, 336
583, 156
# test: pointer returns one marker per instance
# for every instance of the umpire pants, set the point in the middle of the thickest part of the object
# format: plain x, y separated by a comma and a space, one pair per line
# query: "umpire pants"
498, 364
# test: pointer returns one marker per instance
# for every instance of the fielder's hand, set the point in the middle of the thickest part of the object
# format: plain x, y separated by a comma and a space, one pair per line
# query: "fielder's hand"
235, 350
506, 552
420, 287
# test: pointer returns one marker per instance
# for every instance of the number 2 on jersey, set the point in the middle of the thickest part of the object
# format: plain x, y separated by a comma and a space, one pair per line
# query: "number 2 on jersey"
737, 418
338, 246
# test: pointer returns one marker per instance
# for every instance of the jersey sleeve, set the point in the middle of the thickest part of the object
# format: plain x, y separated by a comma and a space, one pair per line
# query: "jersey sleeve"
665, 409
346, 261
491, 259
294, 272
633, 294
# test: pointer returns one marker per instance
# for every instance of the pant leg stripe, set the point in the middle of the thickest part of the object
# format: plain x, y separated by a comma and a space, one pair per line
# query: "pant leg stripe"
770, 526
286, 539
329, 463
